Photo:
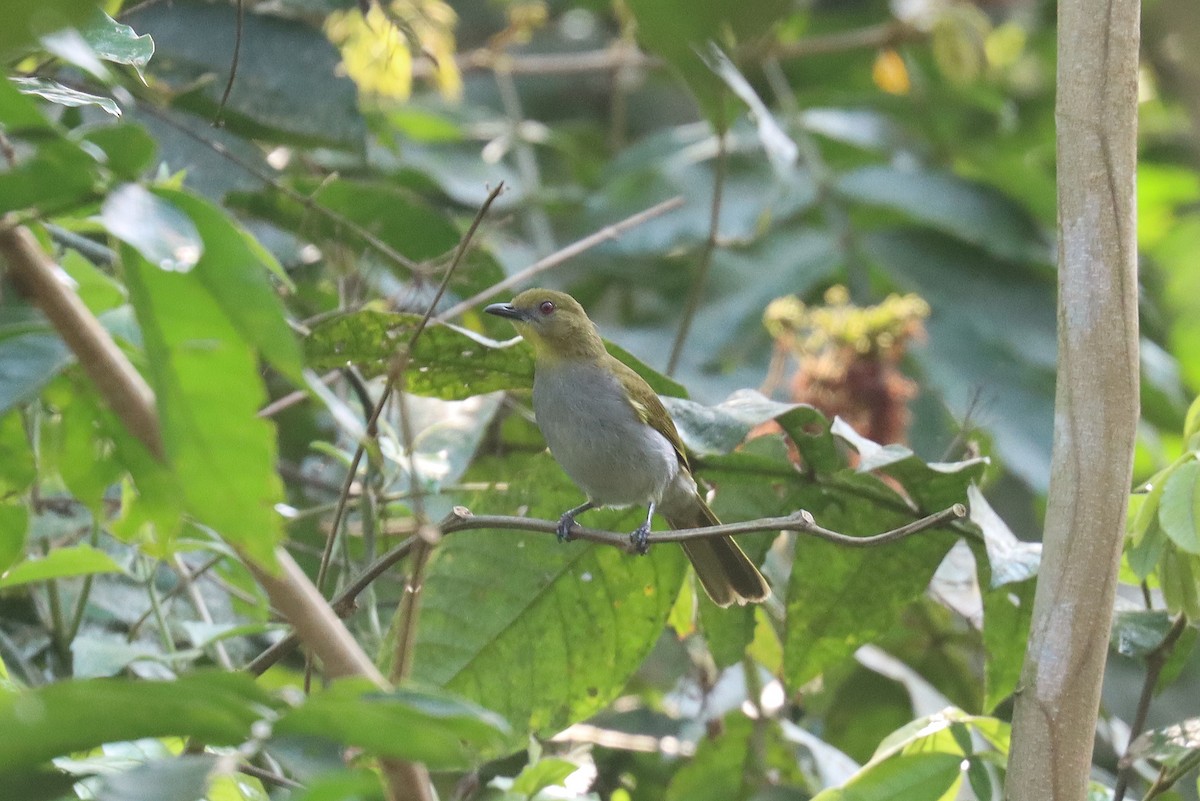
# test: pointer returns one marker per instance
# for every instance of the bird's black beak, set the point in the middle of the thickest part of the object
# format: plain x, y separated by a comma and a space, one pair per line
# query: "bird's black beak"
505, 310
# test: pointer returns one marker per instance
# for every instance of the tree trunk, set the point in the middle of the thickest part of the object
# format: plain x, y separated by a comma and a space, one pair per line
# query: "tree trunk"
1096, 405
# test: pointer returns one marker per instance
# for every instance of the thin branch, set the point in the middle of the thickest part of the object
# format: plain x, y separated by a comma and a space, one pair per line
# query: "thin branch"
123, 387
710, 245
569, 252
201, 607
463, 520
233, 64
1156, 660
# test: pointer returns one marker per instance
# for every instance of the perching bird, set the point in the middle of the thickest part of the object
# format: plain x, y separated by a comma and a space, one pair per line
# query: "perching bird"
615, 439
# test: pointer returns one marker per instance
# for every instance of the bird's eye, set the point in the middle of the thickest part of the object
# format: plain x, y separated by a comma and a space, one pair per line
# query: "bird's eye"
547, 308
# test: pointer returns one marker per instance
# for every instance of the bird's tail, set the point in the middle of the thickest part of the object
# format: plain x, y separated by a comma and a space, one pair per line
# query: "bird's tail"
724, 570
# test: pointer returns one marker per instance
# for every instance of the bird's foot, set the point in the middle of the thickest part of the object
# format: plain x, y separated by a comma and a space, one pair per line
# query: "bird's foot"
641, 540
565, 524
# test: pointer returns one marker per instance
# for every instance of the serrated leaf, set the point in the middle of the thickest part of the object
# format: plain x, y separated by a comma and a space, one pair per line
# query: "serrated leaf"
77, 560
1179, 508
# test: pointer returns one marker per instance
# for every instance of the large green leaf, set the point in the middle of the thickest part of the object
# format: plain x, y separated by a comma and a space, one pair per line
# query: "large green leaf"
441, 731
543, 633
909, 777
208, 388
162, 234
78, 560
283, 65
1179, 508
68, 716
26, 20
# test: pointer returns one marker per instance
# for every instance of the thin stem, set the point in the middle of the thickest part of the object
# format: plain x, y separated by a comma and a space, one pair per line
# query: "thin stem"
1156, 660
706, 254
201, 607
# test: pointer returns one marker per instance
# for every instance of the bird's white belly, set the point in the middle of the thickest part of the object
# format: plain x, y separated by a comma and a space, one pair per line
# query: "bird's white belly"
597, 437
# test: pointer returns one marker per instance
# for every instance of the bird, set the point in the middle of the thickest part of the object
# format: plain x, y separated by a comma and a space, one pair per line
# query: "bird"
611, 434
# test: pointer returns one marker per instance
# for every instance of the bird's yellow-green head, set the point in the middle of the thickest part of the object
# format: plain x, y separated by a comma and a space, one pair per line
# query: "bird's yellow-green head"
553, 323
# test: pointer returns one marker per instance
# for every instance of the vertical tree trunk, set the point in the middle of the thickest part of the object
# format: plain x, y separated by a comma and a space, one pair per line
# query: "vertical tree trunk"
1096, 405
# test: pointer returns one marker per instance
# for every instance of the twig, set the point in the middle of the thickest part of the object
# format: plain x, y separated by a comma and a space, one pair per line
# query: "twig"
462, 520
201, 608
233, 64
710, 245
569, 252
1156, 660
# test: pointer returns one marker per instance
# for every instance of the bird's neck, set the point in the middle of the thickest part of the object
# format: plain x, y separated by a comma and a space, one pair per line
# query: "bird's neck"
581, 349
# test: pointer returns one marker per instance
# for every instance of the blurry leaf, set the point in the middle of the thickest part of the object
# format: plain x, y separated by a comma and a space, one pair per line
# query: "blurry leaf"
75, 715
17, 470
233, 268
1168, 746
1192, 426
992, 340
26, 20
1179, 508
77, 560
450, 363
728, 632
128, 148
1007, 615
663, 385
678, 29
436, 729
209, 390
1011, 560
343, 785
184, 778
399, 218
780, 149
1138, 632
54, 175
38, 785
55, 92
537, 776
864, 705
163, 234
908, 777
561, 635
708, 430
101, 655
290, 63
1179, 578
726, 766
14, 523
972, 212
120, 44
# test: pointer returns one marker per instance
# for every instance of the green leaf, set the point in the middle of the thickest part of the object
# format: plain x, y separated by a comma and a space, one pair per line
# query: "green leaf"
973, 212
17, 470
1191, 426
272, 97
1179, 577
184, 778
1138, 632
208, 389
38, 785
661, 384
128, 148
1179, 508
56, 93
14, 525
27, 20
909, 777
441, 731
77, 560
164, 235
560, 636
545, 772
55, 175
397, 217
1007, 615
233, 269
1169, 745
120, 44
708, 430
67, 716
450, 363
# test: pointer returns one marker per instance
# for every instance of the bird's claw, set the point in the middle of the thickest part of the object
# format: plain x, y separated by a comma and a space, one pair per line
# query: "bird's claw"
640, 540
565, 524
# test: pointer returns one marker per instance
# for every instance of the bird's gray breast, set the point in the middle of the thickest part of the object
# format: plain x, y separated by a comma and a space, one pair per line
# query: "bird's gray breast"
597, 437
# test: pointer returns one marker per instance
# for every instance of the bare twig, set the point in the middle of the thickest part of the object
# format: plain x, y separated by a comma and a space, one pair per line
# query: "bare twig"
201, 607
696, 292
233, 63
569, 252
